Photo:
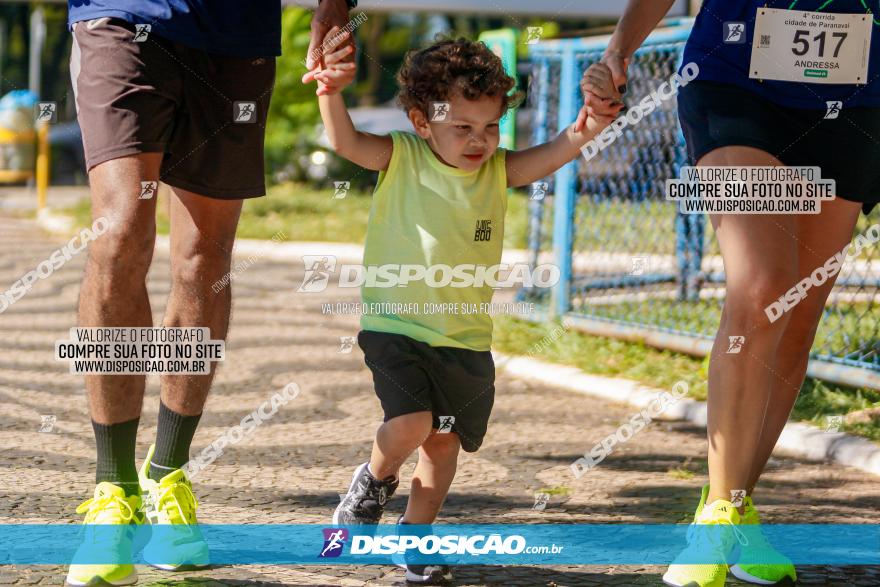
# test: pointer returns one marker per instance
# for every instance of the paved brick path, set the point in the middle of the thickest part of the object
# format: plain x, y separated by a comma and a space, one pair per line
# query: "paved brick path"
293, 467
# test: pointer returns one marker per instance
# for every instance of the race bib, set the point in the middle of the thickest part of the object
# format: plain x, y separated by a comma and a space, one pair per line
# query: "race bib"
811, 47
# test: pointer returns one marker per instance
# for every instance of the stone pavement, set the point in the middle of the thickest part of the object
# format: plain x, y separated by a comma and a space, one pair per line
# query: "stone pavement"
292, 468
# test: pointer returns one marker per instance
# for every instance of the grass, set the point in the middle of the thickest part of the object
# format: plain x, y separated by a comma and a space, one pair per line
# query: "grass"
688, 469
557, 490
601, 356
681, 474
662, 369
308, 214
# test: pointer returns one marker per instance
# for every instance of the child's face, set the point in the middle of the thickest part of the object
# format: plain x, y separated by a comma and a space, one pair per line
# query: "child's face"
468, 136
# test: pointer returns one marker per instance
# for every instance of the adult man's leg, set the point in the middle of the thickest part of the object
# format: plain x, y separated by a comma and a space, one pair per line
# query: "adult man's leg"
202, 237
114, 294
214, 162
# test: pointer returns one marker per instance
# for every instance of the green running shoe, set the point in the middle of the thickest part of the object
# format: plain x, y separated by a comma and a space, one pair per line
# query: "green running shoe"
708, 544
108, 508
758, 562
176, 543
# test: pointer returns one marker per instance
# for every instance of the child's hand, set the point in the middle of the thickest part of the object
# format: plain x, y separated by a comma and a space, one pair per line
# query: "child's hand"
337, 73
602, 103
594, 123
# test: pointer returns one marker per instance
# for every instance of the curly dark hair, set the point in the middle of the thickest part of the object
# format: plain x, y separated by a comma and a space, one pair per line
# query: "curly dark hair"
454, 67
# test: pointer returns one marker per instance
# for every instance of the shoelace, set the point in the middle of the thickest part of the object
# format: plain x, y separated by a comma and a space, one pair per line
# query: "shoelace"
93, 508
714, 538
98, 509
170, 497
761, 541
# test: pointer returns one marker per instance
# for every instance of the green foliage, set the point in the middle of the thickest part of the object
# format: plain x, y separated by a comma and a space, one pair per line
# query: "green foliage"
293, 113
55, 70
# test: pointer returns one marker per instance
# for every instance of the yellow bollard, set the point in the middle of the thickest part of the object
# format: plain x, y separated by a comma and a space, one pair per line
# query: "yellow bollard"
42, 170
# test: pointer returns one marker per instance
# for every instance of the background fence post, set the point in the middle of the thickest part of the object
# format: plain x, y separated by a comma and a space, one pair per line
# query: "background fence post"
565, 194
541, 69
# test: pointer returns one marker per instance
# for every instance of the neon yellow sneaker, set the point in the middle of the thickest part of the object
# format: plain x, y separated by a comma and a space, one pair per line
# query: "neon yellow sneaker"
704, 562
108, 508
176, 543
759, 562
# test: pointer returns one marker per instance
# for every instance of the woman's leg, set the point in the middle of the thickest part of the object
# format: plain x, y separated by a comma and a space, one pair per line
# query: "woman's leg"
760, 255
819, 237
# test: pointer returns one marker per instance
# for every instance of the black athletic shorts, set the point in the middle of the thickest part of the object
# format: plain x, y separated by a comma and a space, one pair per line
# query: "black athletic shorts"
205, 113
456, 385
846, 148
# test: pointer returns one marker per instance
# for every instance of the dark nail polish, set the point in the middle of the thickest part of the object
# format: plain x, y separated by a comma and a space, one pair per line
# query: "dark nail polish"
622, 89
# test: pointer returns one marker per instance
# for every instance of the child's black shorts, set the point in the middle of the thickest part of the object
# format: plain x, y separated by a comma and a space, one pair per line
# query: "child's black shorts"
411, 376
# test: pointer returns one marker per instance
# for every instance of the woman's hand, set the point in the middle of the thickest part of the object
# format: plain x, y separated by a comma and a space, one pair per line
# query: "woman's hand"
602, 91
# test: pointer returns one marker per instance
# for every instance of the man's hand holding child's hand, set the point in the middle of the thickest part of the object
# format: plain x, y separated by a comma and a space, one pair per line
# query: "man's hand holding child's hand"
337, 72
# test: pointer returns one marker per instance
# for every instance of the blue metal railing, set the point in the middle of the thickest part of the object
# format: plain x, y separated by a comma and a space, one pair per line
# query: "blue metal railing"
611, 212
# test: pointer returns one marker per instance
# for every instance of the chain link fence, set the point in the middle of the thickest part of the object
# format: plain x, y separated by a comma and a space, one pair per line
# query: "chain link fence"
628, 258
